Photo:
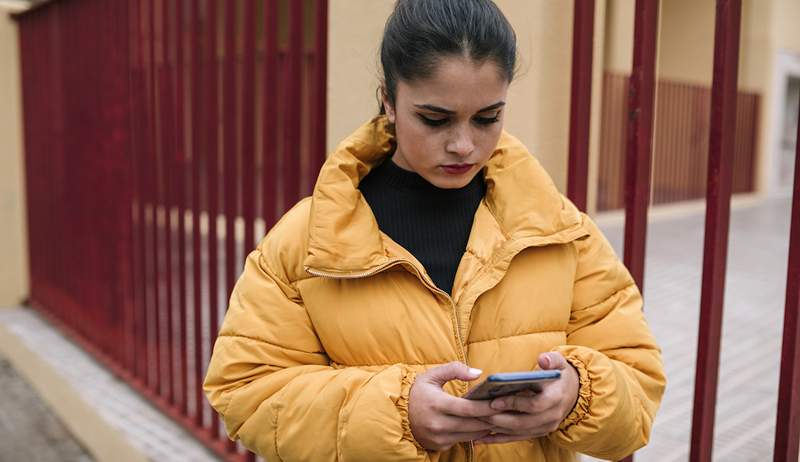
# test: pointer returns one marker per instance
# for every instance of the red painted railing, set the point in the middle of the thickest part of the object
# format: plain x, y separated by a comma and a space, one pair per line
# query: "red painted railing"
147, 123
724, 155
680, 142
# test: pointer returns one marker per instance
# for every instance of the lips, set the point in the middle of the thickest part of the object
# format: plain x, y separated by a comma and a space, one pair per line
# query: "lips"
457, 169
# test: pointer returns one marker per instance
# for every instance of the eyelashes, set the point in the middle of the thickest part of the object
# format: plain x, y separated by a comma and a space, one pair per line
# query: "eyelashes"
440, 122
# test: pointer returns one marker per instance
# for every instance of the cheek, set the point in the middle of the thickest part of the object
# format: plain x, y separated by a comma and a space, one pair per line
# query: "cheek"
488, 141
418, 143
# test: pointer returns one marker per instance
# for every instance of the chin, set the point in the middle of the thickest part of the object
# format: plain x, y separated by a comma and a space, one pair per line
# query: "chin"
450, 182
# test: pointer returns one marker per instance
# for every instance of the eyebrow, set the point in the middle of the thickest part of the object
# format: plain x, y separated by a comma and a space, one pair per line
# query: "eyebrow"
442, 110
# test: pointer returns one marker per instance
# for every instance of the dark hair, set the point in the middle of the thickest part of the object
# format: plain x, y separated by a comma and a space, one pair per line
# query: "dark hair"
419, 33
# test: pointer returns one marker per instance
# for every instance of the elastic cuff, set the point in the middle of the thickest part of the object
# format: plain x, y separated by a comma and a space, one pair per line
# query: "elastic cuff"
402, 407
584, 402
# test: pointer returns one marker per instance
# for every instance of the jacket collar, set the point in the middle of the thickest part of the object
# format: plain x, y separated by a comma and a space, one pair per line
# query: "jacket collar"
343, 235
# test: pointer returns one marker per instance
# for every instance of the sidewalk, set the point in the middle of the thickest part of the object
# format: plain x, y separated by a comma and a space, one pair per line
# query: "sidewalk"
751, 333
28, 428
750, 359
117, 406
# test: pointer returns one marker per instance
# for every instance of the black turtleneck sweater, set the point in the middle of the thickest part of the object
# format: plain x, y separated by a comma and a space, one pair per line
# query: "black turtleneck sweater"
431, 223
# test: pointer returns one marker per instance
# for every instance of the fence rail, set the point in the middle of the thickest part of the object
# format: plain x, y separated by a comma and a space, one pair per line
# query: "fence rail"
161, 137
680, 143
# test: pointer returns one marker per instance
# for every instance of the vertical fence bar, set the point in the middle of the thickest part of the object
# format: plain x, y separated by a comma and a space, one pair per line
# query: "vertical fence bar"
318, 100
168, 182
787, 428
292, 120
640, 136
197, 210
229, 120
137, 148
230, 178
641, 100
720, 170
269, 114
153, 328
248, 126
212, 169
580, 102
180, 187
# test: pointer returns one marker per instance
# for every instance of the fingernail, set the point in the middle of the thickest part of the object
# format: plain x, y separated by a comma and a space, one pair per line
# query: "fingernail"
474, 371
498, 404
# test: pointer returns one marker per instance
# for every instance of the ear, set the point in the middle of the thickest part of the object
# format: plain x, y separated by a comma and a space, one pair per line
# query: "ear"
387, 105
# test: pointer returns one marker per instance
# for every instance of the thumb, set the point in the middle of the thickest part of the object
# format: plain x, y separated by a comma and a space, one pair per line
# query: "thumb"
450, 371
552, 360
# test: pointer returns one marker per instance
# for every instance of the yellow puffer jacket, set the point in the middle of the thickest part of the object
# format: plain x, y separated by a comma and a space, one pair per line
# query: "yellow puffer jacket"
332, 320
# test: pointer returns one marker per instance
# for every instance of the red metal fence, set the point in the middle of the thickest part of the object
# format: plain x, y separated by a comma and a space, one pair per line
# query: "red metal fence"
680, 143
725, 147
147, 123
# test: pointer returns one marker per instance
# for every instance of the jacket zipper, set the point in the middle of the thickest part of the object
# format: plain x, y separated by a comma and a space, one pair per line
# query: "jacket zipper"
363, 274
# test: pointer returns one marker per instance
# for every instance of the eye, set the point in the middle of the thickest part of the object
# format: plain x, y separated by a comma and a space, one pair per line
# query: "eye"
432, 122
487, 120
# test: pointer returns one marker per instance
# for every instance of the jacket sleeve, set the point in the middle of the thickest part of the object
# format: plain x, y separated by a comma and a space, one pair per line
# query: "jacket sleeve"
271, 382
616, 356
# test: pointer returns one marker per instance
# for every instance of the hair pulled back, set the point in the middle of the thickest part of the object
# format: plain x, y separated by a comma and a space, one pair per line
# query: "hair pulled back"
419, 33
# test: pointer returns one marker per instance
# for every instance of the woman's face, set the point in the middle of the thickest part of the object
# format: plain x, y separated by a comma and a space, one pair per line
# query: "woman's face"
448, 125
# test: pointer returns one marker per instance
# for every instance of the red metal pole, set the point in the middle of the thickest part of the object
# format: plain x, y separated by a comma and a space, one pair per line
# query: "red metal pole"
230, 153
212, 168
137, 136
269, 108
230, 119
153, 336
168, 175
248, 126
580, 102
641, 100
720, 160
319, 92
294, 76
787, 433
197, 210
180, 187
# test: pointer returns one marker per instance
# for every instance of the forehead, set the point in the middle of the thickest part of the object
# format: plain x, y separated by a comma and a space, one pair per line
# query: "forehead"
458, 84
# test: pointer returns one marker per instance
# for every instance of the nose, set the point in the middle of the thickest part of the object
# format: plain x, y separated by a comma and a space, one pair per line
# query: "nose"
460, 143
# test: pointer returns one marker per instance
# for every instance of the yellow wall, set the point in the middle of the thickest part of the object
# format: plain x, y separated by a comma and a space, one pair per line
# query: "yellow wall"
538, 103
13, 247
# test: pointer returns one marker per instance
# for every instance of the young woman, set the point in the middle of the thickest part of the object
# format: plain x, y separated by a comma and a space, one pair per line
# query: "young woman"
434, 251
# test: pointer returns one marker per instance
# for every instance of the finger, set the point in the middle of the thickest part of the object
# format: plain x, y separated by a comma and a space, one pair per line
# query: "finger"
450, 371
552, 360
503, 438
461, 407
526, 404
451, 424
521, 423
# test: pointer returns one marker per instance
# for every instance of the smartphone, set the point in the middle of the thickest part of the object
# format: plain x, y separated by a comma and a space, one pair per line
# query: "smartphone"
508, 383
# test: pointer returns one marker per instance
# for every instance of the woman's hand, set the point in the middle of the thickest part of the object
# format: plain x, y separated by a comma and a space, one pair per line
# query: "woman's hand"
439, 420
527, 415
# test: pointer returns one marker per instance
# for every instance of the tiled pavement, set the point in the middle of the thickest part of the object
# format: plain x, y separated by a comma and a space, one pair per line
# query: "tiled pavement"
143, 425
750, 347
752, 327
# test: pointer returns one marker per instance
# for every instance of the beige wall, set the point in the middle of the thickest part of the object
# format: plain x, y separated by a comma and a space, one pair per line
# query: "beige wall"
538, 102
538, 111
787, 25
13, 247
618, 56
